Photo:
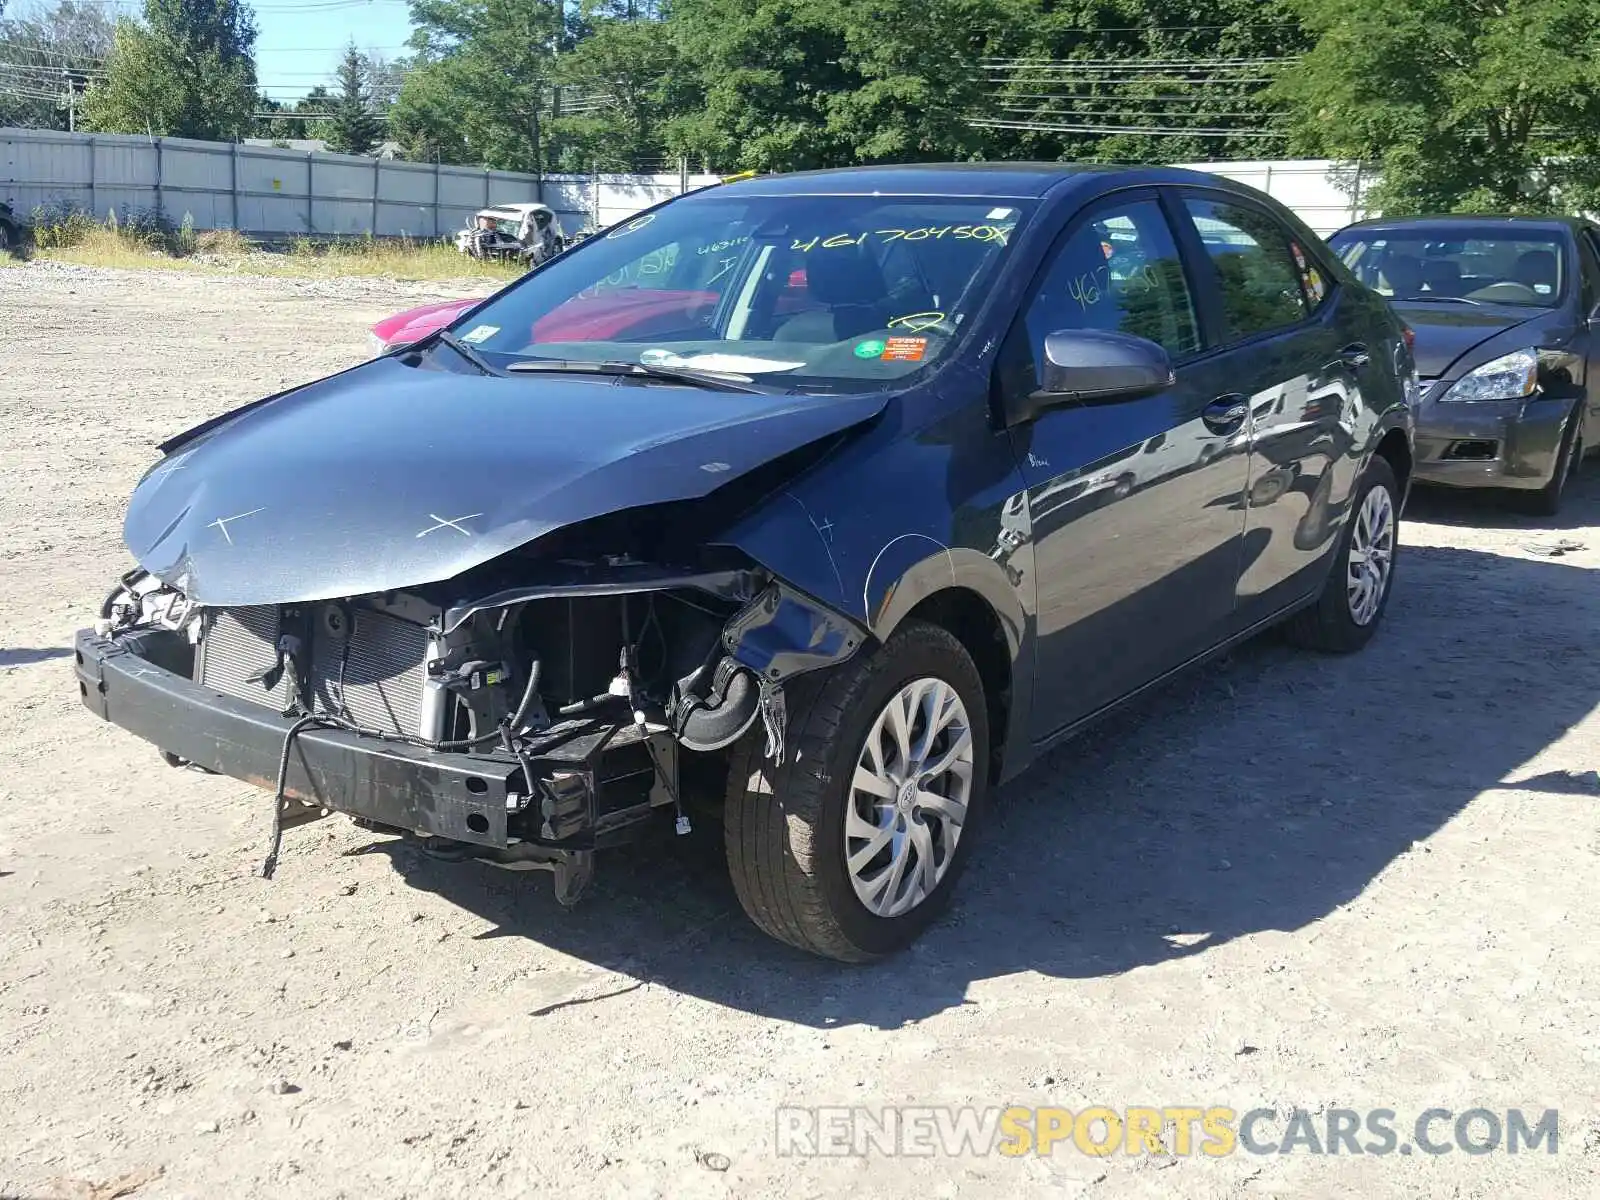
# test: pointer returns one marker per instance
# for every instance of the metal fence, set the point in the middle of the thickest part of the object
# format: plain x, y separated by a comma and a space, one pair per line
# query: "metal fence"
263, 190
267, 191
1325, 195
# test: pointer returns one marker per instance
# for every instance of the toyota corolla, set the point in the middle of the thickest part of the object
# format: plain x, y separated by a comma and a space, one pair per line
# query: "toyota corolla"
880, 483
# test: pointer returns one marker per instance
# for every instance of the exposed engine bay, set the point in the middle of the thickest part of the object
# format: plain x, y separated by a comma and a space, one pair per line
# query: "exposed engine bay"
604, 691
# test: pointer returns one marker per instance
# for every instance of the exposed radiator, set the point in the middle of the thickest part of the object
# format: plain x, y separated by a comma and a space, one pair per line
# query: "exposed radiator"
384, 672
238, 642
384, 669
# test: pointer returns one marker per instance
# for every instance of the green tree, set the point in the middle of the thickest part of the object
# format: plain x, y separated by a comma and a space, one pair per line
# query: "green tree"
620, 85
187, 70
1462, 104
766, 71
480, 87
1138, 80
352, 127
917, 80
48, 58
273, 119
384, 77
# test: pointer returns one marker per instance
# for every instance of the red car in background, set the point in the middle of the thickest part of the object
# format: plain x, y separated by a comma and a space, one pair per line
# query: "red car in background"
414, 324
612, 314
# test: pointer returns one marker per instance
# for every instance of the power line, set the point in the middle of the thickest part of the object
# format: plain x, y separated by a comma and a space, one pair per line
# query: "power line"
1152, 130
1021, 64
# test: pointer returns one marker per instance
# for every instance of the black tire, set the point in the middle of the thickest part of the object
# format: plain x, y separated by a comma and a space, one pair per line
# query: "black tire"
1328, 625
785, 826
1546, 502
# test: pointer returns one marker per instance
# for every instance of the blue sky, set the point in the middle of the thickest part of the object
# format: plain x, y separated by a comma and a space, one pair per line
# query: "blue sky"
301, 40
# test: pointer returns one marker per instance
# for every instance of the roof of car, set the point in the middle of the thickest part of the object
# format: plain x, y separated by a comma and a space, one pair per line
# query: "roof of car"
1468, 221
999, 180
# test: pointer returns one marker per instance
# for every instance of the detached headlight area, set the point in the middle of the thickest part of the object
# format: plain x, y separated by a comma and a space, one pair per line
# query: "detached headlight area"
1509, 377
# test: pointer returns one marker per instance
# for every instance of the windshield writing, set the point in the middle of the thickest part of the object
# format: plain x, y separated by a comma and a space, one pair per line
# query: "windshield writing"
825, 293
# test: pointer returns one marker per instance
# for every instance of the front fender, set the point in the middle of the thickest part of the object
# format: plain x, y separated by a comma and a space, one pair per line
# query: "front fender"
894, 519
909, 571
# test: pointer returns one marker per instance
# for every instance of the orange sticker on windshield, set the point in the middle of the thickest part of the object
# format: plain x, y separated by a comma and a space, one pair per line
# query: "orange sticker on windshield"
904, 349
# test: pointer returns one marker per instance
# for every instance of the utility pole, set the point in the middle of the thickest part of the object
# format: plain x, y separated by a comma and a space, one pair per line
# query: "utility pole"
72, 101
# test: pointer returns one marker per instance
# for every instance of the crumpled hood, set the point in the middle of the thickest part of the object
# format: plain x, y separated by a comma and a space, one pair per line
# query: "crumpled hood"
389, 476
1446, 332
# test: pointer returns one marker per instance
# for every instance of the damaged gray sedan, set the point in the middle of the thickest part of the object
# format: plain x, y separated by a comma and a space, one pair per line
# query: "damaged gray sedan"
814, 505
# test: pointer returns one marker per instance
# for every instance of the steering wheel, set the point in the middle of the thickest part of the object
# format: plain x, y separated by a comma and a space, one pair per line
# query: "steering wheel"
1508, 291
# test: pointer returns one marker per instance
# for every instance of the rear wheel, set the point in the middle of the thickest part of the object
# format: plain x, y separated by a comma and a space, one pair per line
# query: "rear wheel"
1353, 600
852, 846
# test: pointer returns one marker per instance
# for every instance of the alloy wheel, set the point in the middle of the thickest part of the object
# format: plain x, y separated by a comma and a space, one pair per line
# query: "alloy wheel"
908, 798
1371, 556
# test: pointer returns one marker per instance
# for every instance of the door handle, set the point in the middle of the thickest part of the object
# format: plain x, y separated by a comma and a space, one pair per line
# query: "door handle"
1225, 414
1355, 354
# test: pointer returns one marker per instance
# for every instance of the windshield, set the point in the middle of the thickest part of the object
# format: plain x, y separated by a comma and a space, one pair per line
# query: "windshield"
825, 293
1443, 264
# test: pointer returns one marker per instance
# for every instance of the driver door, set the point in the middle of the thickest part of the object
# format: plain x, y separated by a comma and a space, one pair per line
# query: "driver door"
1136, 506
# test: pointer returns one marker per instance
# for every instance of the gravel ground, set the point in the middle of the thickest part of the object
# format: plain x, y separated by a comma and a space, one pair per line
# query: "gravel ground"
1285, 882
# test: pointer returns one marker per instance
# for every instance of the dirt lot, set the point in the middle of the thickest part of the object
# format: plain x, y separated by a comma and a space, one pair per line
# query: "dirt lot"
1287, 881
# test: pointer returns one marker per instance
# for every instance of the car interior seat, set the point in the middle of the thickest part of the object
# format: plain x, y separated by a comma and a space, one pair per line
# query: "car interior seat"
1443, 276
1404, 274
850, 288
1537, 269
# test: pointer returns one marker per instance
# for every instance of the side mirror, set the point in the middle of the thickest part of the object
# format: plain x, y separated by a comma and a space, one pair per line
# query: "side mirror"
1091, 366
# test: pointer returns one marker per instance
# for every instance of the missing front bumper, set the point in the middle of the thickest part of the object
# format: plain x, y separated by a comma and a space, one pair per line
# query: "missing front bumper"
457, 796
592, 783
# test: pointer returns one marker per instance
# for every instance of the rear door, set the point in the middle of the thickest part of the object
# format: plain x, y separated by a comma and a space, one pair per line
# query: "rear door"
1132, 504
1300, 358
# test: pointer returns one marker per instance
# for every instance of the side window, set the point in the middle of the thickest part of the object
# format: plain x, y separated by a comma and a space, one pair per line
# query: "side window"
1117, 271
1258, 266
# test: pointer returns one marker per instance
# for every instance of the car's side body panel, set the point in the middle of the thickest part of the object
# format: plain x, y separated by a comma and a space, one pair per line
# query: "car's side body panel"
1027, 523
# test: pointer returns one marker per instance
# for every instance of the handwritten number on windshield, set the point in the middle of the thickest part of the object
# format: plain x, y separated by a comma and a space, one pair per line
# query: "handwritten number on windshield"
978, 233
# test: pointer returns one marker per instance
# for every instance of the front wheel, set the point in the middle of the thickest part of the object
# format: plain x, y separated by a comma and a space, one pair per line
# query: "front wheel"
1353, 599
852, 846
1546, 502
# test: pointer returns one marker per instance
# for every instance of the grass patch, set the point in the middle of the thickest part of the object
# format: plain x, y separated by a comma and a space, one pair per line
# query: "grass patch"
402, 258
139, 241
106, 248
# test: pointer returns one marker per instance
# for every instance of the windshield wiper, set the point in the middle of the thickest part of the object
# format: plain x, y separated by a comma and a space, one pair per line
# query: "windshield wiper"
1432, 299
467, 352
710, 380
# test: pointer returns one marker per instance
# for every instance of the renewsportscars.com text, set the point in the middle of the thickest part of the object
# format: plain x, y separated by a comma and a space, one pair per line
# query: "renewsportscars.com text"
1182, 1130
